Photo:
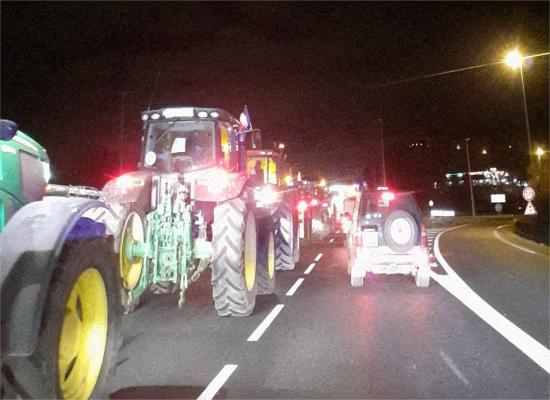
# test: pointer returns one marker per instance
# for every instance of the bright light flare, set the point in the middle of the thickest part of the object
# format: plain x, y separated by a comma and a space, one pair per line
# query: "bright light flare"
388, 196
322, 183
346, 224
539, 152
314, 202
302, 206
47, 171
124, 182
266, 195
514, 59
288, 180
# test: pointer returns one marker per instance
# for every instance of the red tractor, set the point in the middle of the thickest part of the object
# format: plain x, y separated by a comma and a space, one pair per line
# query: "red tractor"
193, 204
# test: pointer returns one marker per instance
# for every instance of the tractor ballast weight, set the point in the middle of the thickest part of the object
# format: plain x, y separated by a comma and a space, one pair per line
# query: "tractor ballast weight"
190, 205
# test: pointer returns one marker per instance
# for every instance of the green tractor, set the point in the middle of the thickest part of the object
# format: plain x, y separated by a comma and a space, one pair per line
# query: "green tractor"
60, 307
191, 205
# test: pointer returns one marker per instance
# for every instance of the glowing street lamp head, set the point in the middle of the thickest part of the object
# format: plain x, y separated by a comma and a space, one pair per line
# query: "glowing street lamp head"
539, 152
513, 59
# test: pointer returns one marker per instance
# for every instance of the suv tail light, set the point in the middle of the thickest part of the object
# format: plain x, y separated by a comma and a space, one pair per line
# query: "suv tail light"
388, 196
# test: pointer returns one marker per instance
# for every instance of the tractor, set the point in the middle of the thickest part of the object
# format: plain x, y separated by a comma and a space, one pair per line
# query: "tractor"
191, 205
60, 290
277, 183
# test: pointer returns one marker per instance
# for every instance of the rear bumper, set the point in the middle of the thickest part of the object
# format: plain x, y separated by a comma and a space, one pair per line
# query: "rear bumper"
383, 260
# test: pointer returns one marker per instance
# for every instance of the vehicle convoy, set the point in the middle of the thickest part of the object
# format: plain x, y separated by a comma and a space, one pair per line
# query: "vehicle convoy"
386, 236
192, 204
60, 290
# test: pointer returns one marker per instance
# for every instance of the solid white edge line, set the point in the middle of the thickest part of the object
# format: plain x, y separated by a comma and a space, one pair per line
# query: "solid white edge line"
213, 387
257, 334
510, 243
519, 338
318, 257
308, 270
294, 287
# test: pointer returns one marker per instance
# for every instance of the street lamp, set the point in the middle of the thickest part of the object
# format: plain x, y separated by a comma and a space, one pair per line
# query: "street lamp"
514, 60
539, 152
470, 178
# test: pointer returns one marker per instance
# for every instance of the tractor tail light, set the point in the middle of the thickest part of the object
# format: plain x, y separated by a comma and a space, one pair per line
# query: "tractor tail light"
302, 206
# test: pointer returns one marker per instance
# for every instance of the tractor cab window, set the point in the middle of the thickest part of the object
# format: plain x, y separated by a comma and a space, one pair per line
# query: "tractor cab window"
182, 146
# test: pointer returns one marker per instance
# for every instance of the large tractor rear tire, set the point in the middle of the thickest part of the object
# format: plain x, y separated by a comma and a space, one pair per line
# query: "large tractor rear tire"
296, 248
266, 259
79, 336
132, 233
234, 245
284, 240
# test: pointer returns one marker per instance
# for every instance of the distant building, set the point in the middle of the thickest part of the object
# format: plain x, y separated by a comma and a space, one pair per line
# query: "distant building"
420, 145
489, 177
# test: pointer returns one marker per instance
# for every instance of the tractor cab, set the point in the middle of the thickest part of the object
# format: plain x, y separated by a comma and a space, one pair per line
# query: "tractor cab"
187, 139
24, 170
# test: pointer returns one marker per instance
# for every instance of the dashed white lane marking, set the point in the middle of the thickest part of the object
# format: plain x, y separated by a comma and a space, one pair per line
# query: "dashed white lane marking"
318, 257
454, 368
458, 288
294, 287
217, 382
331, 240
495, 232
308, 270
257, 334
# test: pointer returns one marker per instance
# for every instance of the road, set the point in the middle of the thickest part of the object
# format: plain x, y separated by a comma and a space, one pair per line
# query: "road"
388, 339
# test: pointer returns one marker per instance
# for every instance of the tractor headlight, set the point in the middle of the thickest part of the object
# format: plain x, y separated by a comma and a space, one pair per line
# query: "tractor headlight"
46, 170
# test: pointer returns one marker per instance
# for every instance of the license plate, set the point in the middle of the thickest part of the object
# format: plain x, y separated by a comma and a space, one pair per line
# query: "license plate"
370, 238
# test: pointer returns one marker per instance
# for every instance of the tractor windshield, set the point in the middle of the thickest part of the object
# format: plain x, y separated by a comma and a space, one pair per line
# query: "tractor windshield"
181, 145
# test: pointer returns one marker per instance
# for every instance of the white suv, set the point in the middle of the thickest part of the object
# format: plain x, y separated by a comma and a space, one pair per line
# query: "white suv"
387, 237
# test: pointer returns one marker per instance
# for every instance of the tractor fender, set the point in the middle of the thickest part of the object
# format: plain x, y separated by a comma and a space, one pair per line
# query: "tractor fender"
226, 186
30, 246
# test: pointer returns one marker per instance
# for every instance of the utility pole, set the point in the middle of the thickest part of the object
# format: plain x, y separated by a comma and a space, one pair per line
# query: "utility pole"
383, 158
470, 178
526, 112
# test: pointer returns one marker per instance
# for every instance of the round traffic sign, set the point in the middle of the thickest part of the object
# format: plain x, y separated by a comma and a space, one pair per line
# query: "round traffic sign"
498, 208
528, 193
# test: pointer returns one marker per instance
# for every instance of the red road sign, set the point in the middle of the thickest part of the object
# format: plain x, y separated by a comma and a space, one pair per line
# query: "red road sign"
529, 194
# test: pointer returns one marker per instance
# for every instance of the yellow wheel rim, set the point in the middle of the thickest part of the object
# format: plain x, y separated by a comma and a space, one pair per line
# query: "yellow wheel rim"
83, 336
271, 256
250, 252
132, 234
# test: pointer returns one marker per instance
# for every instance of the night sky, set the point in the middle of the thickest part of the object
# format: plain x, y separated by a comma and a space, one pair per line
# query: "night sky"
74, 74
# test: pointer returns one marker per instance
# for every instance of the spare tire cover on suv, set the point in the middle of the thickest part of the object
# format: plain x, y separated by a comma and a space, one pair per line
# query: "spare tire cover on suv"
401, 231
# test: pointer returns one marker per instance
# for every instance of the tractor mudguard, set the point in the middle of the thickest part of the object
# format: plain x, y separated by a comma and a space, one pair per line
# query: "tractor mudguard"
216, 185
129, 188
29, 247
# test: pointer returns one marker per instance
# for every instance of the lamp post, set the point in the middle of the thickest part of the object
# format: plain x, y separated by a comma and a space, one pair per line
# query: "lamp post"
470, 178
515, 60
